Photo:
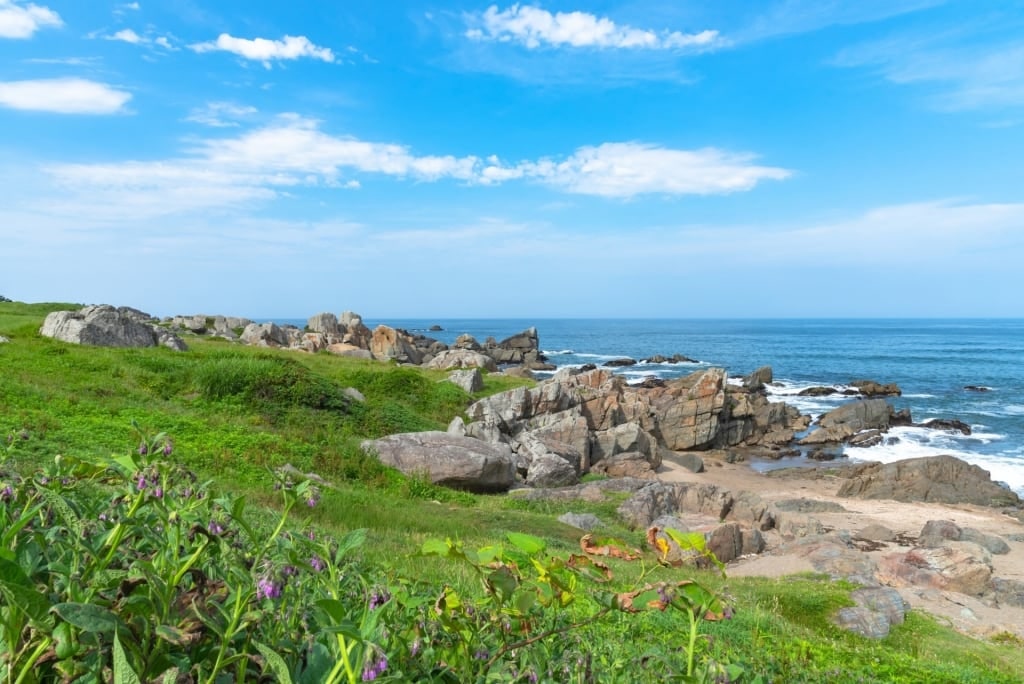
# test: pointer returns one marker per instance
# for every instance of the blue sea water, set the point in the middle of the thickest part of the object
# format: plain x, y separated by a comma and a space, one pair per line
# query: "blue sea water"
931, 360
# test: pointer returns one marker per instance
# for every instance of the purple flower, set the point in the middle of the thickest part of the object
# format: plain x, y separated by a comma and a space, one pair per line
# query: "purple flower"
102, 517
7, 493
186, 492
317, 563
141, 484
44, 480
266, 588
168, 448
289, 571
215, 527
312, 535
143, 449
378, 599
481, 654
375, 668
415, 649
158, 492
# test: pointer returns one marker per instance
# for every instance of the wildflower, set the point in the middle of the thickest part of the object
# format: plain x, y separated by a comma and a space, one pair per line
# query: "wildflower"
158, 492
215, 528
313, 500
481, 654
44, 480
311, 534
143, 448
415, 649
186, 492
289, 571
378, 599
23, 434
141, 483
102, 517
375, 667
267, 588
317, 563
7, 493
168, 448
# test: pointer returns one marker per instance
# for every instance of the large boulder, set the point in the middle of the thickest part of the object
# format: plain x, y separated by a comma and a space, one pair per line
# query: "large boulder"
105, 326
265, 335
447, 459
688, 410
844, 422
962, 567
356, 333
461, 358
388, 343
326, 323
939, 479
469, 380
871, 388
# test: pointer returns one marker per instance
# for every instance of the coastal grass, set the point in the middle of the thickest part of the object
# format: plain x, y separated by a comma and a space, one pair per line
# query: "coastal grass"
235, 414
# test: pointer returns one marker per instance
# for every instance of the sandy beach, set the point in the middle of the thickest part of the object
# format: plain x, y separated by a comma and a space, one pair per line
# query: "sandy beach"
784, 555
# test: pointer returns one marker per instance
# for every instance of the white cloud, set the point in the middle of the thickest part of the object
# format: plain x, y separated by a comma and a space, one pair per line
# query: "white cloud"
790, 17
63, 96
220, 114
127, 36
265, 50
21, 21
631, 168
535, 27
292, 153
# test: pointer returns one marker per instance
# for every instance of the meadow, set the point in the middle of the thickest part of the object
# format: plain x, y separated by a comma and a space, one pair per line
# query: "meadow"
210, 516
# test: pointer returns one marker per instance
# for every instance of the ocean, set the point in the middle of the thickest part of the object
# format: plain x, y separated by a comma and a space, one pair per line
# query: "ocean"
931, 360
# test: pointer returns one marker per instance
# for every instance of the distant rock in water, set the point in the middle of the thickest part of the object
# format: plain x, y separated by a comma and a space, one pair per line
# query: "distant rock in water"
105, 326
870, 388
977, 388
619, 363
947, 424
675, 358
436, 328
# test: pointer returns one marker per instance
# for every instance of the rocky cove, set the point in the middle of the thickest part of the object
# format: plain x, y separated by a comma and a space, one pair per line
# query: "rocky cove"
933, 532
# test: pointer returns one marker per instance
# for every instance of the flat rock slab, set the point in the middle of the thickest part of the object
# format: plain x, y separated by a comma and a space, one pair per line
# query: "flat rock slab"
448, 460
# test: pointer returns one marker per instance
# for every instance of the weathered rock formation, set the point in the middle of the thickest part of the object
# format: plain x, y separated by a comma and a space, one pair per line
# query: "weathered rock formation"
105, 326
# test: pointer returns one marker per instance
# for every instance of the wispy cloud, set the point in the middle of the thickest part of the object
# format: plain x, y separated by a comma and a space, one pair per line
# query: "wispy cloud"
221, 114
960, 70
22, 21
535, 27
791, 17
63, 96
267, 51
292, 152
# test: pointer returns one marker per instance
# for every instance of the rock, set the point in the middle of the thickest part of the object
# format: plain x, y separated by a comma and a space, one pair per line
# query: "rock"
977, 388
849, 419
518, 372
587, 522
448, 460
750, 509
457, 427
1008, 592
461, 358
876, 610
817, 391
937, 532
689, 410
326, 323
350, 350
959, 566
808, 506
949, 425
870, 388
105, 326
619, 363
466, 341
938, 479
264, 335
520, 348
625, 464
386, 344
867, 438
759, 378
628, 437
990, 542
469, 380
729, 541
551, 470
354, 394
834, 557
648, 504
650, 382
687, 459
436, 328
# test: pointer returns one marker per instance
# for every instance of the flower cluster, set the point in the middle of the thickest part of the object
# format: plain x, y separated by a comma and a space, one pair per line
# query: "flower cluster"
375, 666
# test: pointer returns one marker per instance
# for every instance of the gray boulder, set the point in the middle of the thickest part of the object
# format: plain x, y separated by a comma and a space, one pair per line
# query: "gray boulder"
938, 479
844, 422
448, 460
469, 380
105, 326
759, 378
551, 470
388, 344
588, 522
877, 609
461, 358
265, 335
326, 323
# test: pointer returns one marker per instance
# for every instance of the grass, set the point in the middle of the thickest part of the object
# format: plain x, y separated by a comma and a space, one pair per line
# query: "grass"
234, 413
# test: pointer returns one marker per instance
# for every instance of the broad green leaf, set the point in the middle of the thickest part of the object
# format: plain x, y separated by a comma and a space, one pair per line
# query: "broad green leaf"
335, 609
351, 541
526, 542
123, 672
318, 665
346, 628
88, 617
488, 554
435, 547
13, 573
6, 541
29, 599
275, 663
174, 635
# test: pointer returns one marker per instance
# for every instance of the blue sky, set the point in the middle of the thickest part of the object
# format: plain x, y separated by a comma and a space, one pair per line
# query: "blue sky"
736, 158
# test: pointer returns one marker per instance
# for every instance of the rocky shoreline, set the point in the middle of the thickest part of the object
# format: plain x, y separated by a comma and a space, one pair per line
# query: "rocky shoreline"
936, 531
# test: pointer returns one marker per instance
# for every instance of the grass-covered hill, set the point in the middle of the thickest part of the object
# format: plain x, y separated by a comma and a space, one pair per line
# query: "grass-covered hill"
146, 537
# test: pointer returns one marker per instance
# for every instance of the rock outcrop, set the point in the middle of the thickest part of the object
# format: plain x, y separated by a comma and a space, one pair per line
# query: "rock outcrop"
106, 326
